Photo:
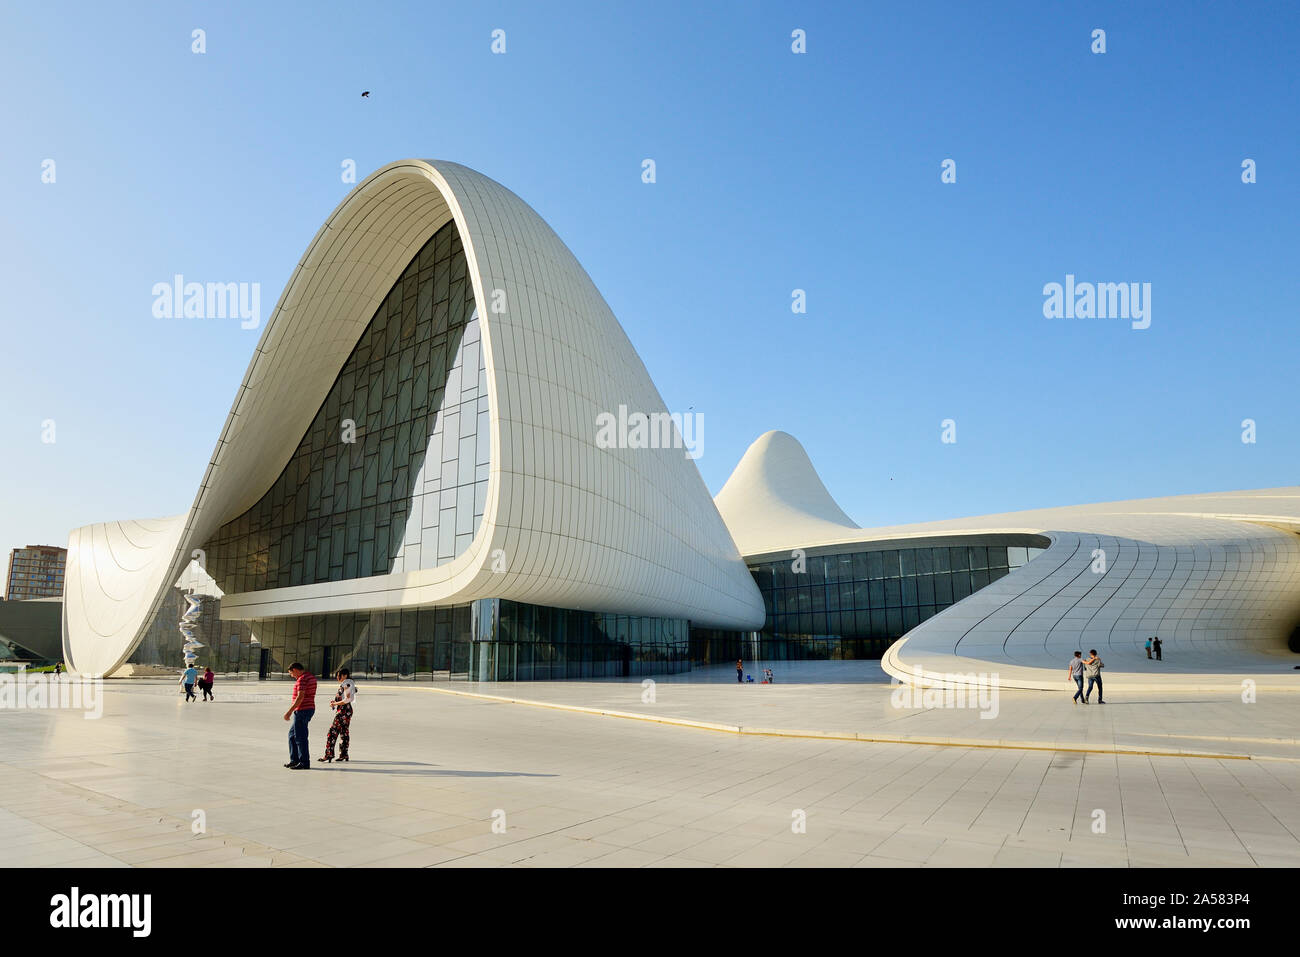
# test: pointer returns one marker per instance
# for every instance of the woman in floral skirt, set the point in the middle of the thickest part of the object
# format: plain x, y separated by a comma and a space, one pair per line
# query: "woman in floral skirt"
342, 705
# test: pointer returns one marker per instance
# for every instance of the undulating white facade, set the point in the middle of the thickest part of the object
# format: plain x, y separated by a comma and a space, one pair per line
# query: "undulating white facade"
1216, 577
567, 523
561, 520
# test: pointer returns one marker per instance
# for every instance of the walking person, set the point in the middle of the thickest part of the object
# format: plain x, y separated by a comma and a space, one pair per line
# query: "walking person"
300, 712
740, 671
1092, 668
188, 678
1158, 643
206, 684
1148, 649
342, 705
1076, 675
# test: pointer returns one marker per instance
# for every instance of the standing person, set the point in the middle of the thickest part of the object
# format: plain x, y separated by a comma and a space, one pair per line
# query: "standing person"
206, 683
1148, 649
1076, 675
1092, 668
301, 711
188, 679
1158, 644
740, 671
58, 668
342, 705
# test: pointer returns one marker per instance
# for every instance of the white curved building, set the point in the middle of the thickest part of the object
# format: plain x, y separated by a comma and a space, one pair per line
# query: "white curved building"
413, 479
1215, 577
417, 433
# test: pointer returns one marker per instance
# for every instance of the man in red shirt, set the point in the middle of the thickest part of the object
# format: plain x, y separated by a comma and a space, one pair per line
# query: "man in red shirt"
300, 712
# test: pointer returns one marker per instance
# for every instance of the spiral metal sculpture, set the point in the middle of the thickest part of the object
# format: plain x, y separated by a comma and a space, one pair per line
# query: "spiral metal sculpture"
189, 621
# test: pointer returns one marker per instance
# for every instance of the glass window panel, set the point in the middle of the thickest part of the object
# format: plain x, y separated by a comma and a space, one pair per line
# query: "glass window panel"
879, 623
876, 564
894, 622
860, 566
819, 598
909, 591
893, 592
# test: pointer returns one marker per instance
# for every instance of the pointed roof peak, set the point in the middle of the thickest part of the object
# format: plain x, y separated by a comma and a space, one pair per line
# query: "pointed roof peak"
775, 497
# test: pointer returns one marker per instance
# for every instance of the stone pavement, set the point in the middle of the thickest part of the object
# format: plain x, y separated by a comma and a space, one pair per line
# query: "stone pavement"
433, 772
856, 699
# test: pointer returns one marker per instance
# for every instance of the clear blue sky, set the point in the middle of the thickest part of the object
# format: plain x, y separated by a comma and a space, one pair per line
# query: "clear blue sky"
776, 171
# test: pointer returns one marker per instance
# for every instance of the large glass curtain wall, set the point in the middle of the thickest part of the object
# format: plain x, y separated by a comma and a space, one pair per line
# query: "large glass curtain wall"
392, 474
855, 605
487, 640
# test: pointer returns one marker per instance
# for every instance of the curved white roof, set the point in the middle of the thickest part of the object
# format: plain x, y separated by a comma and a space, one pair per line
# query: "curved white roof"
1215, 576
621, 530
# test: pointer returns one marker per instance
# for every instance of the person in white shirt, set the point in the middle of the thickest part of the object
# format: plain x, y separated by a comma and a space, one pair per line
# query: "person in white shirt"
342, 705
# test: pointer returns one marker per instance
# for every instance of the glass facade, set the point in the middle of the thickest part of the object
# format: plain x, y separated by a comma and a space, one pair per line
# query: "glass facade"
535, 643
487, 640
856, 604
392, 474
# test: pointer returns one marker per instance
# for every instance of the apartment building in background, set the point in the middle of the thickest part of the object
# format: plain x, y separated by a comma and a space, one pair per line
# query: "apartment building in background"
35, 572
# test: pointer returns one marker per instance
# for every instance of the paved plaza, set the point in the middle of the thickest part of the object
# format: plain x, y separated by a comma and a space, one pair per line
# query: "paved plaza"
447, 775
